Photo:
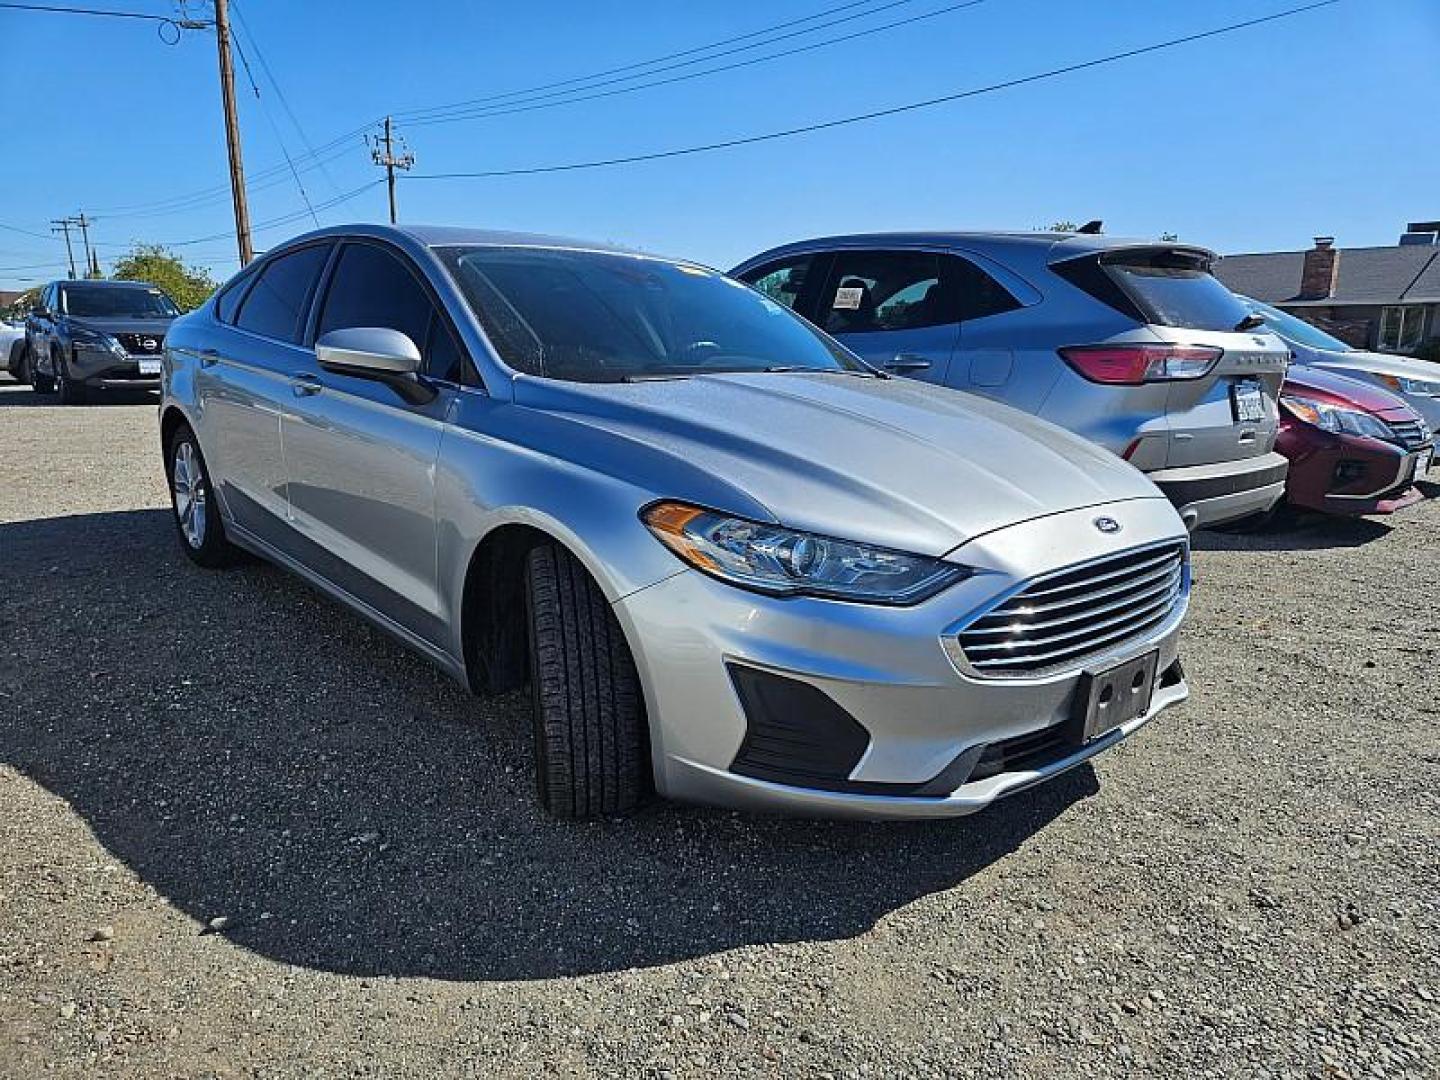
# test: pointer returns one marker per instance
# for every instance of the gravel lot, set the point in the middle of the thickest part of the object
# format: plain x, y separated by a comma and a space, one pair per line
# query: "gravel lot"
242, 834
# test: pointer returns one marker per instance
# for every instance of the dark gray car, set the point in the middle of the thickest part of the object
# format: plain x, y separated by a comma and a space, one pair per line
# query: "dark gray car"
1132, 344
85, 336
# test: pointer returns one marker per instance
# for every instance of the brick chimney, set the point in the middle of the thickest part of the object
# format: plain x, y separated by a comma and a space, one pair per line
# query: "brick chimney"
1322, 270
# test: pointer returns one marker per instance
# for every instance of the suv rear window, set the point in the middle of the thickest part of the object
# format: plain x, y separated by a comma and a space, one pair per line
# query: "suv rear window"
1175, 288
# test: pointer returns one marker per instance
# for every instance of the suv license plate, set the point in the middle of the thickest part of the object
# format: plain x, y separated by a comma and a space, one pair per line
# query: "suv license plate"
1115, 696
1247, 401
150, 365
1423, 461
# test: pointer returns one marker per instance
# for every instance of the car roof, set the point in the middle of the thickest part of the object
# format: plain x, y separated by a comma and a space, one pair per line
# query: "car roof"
92, 283
1043, 243
434, 236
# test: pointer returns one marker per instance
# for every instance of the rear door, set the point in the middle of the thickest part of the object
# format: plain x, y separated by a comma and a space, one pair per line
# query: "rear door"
1231, 413
895, 309
243, 387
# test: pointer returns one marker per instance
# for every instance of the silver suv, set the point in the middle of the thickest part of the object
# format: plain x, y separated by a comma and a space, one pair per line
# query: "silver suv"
732, 562
1134, 345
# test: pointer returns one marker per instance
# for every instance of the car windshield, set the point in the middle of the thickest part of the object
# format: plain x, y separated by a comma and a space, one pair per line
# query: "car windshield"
1294, 329
587, 316
139, 302
1176, 288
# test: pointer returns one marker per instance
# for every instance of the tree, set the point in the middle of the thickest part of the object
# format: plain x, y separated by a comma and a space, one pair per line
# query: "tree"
188, 286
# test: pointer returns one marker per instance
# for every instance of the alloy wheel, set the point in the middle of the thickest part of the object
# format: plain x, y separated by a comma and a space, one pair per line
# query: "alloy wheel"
188, 483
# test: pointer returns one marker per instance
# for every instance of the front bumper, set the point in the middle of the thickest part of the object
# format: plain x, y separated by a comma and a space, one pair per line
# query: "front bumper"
1349, 475
102, 369
1213, 494
918, 715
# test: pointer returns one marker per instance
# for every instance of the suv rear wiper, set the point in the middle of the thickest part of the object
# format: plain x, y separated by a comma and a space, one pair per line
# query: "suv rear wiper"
1250, 322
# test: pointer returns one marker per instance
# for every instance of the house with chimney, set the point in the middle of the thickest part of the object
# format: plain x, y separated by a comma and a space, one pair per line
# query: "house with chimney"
1384, 298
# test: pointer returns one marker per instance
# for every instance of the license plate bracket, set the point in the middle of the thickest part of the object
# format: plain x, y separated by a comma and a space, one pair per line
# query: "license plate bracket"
1247, 401
1104, 700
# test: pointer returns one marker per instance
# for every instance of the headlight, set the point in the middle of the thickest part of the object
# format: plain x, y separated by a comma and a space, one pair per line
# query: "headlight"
1426, 387
1335, 419
784, 562
94, 339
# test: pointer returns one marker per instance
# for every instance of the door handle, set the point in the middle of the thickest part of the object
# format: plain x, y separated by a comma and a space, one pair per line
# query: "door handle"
208, 357
902, 362
304, 384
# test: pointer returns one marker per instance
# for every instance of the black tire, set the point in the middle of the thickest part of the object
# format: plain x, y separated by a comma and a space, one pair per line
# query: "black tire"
213, 549
592, 754
41, 384
71, 392
15, 362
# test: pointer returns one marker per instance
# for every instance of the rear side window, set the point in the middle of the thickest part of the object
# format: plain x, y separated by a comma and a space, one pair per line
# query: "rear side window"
886, 290
229, 300
276, 306
977, 293
783, 282
372, 287
1175, 288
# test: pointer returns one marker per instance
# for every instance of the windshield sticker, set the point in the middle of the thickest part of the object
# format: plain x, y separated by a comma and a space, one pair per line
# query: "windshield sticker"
848, 298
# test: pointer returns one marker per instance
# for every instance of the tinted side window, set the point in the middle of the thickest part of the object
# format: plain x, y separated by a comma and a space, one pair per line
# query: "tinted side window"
372, 287
276, 306
976, 293
229, 300
783, 282
886, 290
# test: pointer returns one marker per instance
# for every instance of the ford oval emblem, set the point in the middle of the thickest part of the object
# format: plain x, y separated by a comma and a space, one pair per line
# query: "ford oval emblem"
1107, 525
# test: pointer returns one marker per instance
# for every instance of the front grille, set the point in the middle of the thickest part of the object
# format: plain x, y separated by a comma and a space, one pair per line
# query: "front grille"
1410, 434
1061, 619
142, 344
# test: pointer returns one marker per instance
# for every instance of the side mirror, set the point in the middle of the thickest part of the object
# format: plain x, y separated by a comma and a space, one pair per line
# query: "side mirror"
368, 351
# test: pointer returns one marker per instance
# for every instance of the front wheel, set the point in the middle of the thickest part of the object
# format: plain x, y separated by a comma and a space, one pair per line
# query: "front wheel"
71, 391
197, 518
40, 383
591, 745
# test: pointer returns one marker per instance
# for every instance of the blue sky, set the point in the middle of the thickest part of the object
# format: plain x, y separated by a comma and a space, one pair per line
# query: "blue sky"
1323, 123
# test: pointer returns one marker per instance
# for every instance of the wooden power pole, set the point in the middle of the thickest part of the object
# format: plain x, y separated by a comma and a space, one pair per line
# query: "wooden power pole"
62, 225
232, 132
90, 264
384, 154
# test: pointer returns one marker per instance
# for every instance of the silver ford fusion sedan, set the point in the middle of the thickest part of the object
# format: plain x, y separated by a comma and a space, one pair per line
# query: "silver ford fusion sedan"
733, 563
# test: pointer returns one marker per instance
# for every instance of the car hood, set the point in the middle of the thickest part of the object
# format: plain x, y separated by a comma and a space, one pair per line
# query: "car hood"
1401, 367
887, 461
1317, 382
157, 327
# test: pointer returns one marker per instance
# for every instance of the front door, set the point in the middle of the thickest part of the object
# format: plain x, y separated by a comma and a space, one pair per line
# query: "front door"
361, 454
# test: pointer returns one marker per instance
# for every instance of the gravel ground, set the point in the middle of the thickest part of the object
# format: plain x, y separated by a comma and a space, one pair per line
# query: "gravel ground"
242, 834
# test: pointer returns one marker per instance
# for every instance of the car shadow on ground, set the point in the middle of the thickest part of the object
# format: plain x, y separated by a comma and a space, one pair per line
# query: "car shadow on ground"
1299, 531
15, 394
255, 752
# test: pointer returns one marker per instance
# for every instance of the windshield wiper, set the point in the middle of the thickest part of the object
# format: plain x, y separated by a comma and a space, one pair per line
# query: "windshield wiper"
782, 369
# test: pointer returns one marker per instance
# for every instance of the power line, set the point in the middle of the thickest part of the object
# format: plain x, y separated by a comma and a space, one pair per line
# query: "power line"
416, 114
274, 128
652, 61
66, 10
879, 113
523, 107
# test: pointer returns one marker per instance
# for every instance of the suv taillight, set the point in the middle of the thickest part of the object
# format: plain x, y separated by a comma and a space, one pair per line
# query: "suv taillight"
1131, 365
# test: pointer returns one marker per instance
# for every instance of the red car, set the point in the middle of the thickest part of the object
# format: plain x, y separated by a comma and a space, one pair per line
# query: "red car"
1353, 448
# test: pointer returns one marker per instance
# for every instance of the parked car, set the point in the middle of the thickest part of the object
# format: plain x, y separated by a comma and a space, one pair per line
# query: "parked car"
1353, 448
12, 347
732, 561
1132, 344
1417, 381
84, 336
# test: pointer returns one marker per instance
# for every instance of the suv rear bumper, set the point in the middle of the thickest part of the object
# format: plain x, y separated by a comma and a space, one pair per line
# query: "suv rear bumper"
1223, 491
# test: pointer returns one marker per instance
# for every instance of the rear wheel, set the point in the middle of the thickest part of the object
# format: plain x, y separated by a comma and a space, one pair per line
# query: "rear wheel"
197, 518
591, 746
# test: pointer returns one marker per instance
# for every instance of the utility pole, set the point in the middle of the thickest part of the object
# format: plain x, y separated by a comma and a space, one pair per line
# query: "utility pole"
232, 132
62, 225
383, 153
81, 220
